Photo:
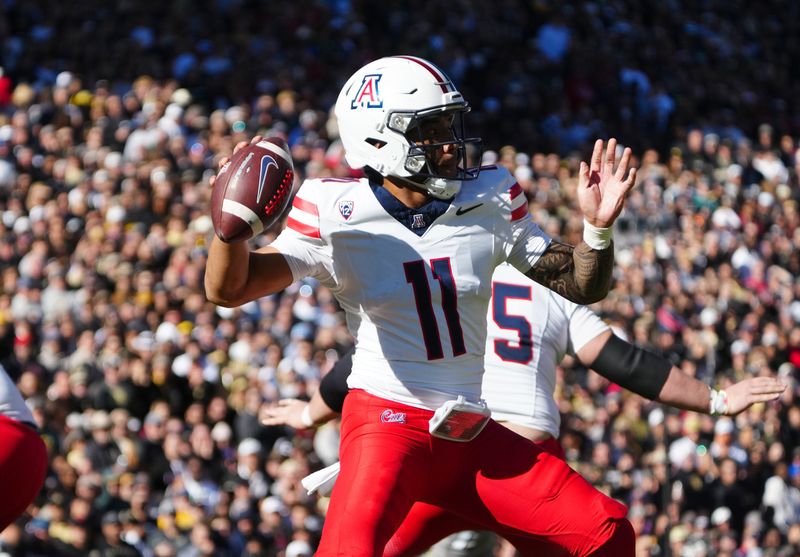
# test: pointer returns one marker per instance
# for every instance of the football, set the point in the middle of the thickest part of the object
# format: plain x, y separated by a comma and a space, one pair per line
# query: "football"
252, 190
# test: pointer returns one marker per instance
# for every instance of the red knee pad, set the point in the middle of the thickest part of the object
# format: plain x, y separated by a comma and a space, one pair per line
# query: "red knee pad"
622, 542
23, 464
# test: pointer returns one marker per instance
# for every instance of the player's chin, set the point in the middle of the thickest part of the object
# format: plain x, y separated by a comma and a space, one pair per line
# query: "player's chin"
448, 168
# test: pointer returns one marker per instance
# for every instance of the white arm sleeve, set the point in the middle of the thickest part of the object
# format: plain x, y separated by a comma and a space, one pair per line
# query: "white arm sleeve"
584, 326
527, 240
530, 243
302, 241
305, 258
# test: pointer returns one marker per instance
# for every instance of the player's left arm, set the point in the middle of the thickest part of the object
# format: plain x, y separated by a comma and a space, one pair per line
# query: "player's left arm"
583, 274
655, 378
580, 274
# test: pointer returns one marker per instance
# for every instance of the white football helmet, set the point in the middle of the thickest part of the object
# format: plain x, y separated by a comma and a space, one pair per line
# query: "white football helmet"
380, 106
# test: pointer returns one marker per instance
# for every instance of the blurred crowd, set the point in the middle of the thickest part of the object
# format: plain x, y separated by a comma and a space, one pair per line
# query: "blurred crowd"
112, 122
550, 75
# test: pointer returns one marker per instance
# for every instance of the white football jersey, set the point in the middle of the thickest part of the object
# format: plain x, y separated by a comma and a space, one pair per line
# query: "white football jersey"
531, 329
12, 405
416, 304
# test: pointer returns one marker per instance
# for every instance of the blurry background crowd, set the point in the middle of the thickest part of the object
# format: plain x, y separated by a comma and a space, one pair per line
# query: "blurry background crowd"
113, 117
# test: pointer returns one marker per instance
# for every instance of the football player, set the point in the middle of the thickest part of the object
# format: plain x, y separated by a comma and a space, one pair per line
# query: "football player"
530, 330
409, 251
23, 455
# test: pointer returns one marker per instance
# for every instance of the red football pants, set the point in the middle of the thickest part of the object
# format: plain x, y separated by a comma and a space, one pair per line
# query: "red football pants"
500, 481
427, 524
23, 464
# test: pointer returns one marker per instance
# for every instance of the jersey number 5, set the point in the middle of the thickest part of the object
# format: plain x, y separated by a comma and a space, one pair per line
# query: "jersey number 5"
416, 274
523, 352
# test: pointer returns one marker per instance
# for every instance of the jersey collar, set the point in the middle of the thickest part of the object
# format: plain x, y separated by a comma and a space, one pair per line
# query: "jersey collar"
418, 219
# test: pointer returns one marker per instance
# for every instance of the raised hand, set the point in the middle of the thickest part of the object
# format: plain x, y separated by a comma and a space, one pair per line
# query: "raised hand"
601, 189
746, 393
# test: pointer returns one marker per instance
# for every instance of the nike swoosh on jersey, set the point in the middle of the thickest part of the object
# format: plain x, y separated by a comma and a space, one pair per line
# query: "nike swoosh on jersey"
463, 211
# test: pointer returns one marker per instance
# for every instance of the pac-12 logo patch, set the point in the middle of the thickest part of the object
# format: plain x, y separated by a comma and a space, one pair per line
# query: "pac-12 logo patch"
392, 417
346, 209
368, 95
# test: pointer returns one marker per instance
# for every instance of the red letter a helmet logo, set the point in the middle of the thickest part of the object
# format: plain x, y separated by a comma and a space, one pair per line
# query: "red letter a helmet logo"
368, 95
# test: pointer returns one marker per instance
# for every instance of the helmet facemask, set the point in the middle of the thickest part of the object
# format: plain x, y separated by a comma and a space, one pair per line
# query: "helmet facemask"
429, 134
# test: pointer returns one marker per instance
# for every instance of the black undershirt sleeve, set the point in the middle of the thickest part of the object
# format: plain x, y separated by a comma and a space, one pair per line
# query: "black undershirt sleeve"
632, 368
333, 387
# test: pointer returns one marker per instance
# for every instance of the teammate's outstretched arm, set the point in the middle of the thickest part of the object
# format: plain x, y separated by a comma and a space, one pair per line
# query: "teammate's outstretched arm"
655, 378
299, 414
324, 405
583, 274
234, 274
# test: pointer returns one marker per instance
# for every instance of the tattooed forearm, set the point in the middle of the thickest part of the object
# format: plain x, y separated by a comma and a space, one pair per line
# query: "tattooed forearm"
580, 274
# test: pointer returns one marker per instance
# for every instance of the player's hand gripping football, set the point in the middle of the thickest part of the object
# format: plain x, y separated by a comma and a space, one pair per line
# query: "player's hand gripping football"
601, 189
744, 394
224, 160
251, 189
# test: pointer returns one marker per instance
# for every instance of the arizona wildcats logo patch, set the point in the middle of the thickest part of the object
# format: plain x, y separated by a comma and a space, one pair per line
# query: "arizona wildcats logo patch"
368, 94
346, 209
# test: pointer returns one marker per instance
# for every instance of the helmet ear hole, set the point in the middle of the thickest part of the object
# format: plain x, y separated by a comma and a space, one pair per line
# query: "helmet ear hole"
377, 143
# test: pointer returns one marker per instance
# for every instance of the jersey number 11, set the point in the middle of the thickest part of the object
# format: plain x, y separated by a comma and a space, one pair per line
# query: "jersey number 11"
416, 274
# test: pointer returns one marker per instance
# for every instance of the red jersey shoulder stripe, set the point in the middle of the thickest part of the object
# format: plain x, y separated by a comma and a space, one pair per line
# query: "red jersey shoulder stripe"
306, 206
304, 229
519, 212
519, 203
